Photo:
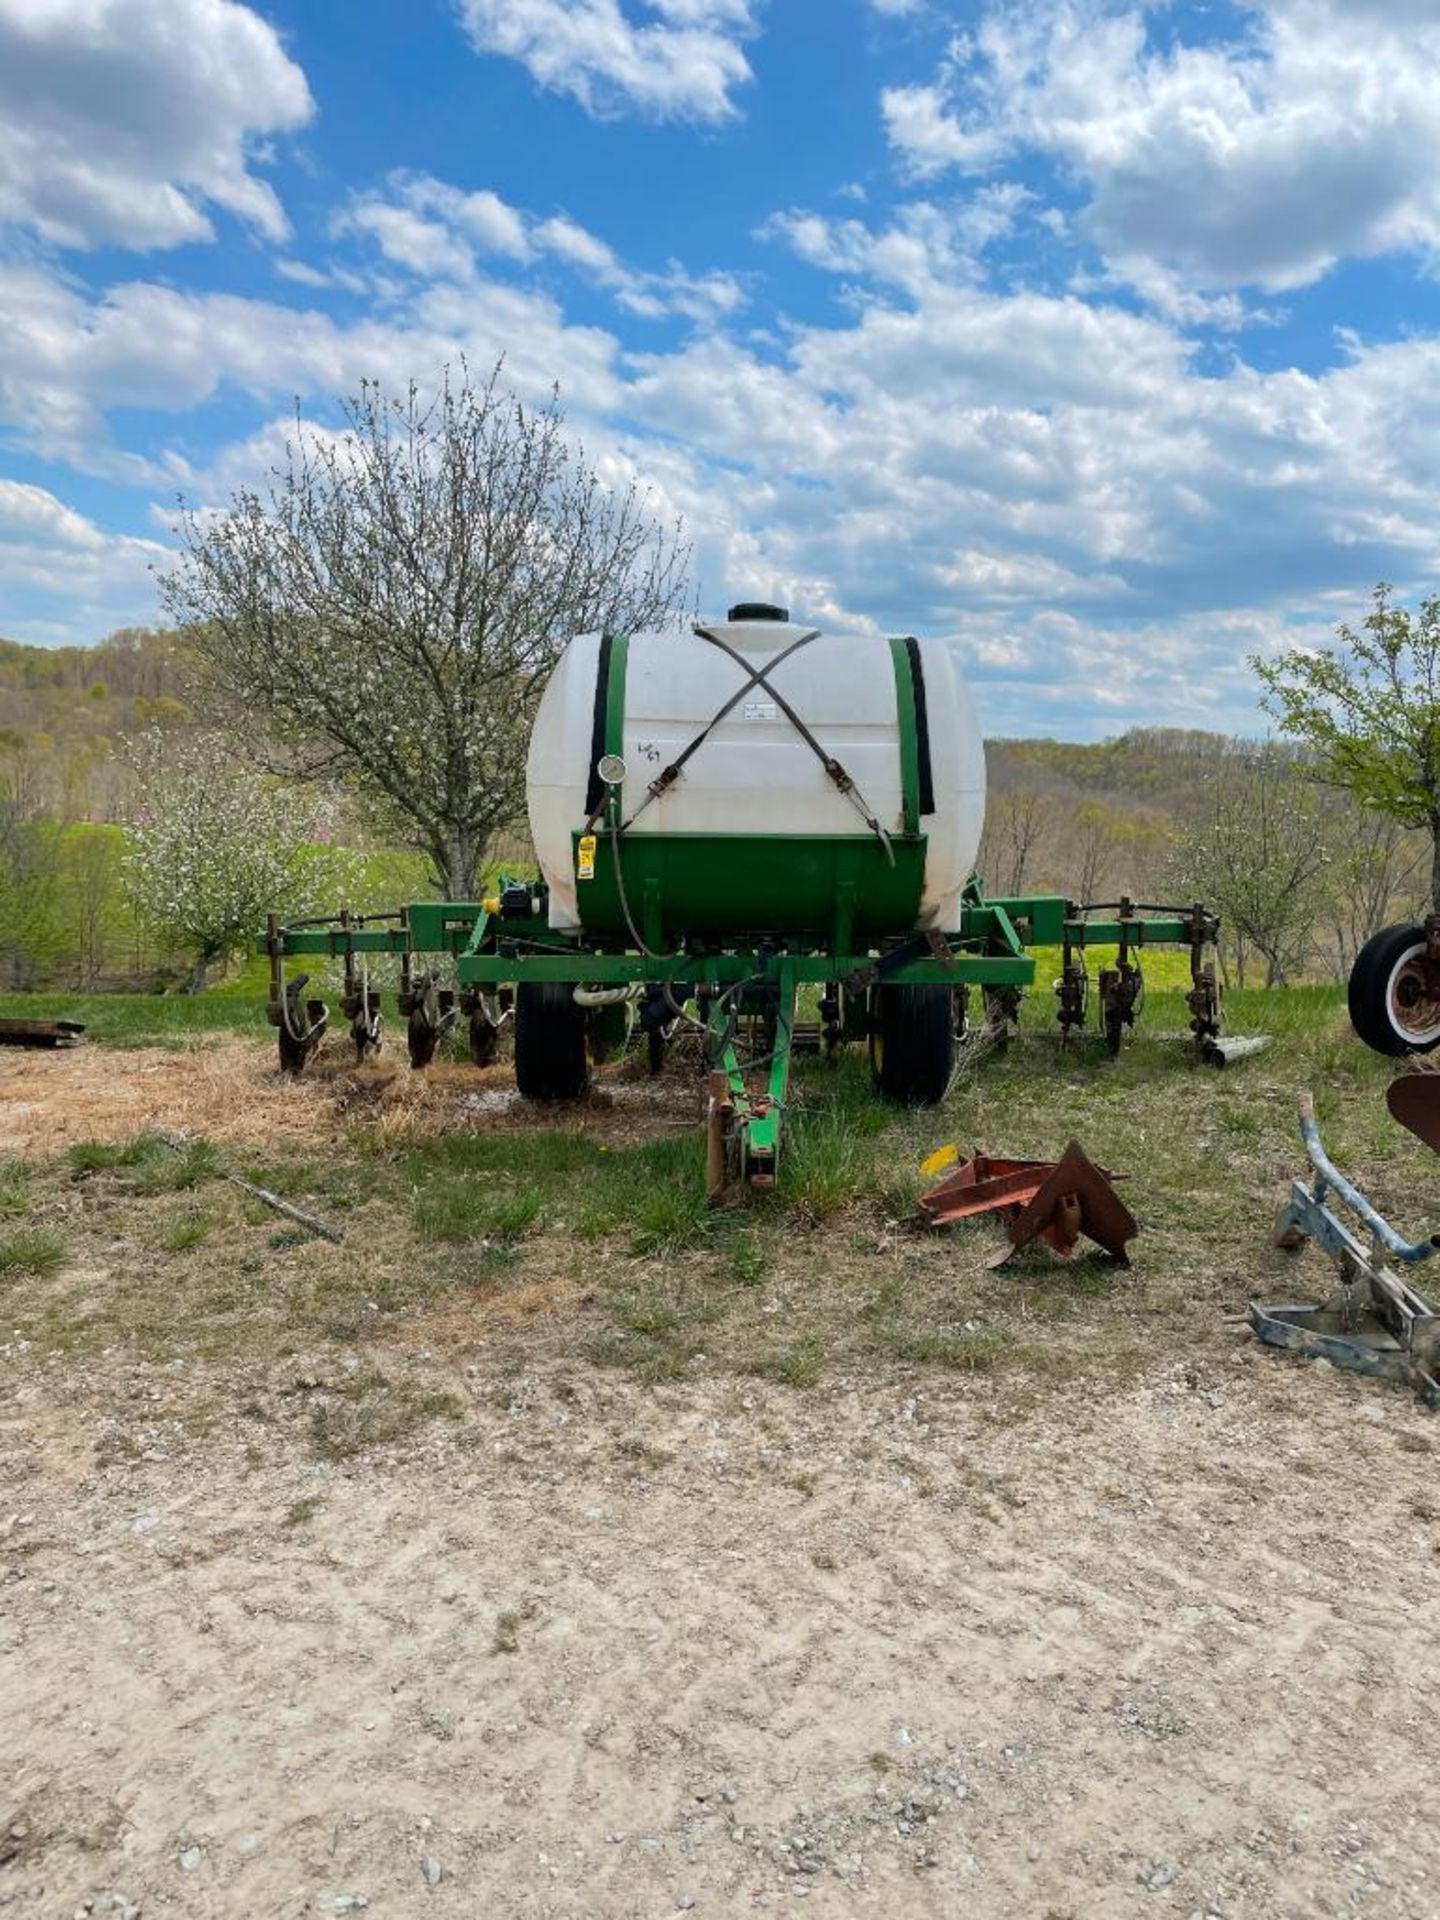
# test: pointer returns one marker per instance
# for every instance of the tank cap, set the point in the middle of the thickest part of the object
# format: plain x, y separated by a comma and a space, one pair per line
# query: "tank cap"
757, 610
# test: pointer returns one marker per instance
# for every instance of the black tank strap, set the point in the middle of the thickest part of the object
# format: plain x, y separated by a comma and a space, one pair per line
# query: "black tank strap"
755, 677
832, 766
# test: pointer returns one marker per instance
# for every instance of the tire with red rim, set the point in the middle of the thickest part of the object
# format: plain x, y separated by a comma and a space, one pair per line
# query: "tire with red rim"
1394, 994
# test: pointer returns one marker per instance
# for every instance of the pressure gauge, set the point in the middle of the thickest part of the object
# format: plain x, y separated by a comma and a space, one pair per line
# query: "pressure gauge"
612, 770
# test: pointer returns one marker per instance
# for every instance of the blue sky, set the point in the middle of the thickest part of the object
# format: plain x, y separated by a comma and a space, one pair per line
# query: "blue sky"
1102, 337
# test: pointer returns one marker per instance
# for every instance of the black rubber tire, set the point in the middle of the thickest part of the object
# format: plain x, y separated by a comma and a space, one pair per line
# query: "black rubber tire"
550, 1060
912, 1044
421, 1039
1369, 992
655, 1050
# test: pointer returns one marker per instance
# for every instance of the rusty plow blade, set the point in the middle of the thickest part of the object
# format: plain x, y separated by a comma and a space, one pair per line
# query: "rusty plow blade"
1414, 1100
1055, 1201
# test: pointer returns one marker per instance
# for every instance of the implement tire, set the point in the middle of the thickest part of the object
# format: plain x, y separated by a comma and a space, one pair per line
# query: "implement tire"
550, 1062
1391, 1007
912, 1044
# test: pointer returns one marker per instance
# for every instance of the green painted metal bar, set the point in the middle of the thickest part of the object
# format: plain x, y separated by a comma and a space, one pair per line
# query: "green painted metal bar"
615, 969
766, 1129
332, 943
1140, 933
615, 695
1006, 930
759, 1121
1038, 919
490, 950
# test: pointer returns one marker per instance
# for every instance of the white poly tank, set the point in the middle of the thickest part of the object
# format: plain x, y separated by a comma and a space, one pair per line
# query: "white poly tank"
755, 776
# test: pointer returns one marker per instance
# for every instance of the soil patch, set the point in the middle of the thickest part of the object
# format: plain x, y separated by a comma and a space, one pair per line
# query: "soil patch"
232, 1091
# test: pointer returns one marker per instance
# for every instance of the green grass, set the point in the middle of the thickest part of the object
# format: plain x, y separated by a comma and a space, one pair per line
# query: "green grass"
31, 1252
148, 1163
144, 1019
15, 1192
467, 1209
613, 1256
831, 1153
186, 1230
798, 1365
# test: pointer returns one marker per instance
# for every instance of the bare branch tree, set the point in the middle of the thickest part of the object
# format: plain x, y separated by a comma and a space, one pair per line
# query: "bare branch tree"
1380, 873
1091, 847
1014, 822
31, 937
1258, 854
393, 605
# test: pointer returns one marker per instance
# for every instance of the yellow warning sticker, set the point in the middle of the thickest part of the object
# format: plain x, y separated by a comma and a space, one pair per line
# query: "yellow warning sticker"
585, 857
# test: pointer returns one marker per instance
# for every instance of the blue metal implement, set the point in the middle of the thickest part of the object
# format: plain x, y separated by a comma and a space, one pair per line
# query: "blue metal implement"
1374, 1322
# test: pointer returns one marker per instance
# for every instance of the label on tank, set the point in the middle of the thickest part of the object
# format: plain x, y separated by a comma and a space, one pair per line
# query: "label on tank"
761, 710
585, 857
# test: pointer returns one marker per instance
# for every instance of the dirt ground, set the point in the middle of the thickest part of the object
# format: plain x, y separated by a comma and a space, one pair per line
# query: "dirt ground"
228, 1091
611, 1651
906, 1644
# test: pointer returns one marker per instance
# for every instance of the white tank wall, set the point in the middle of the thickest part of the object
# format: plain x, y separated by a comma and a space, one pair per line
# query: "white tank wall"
754, 774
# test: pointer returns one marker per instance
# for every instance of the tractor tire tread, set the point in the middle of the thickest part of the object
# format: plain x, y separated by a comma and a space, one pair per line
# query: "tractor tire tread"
912, 1044
550, 1056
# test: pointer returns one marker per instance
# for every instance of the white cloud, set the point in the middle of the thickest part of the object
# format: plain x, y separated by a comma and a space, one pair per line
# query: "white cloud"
52, 557
926, 244
301, 273
1070, 488
1052, 481
1260, 160
439, 233
33, 514
122, 120
70, 359
678, 60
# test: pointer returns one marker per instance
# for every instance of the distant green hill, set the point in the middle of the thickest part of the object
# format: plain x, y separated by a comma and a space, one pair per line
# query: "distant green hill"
63, 710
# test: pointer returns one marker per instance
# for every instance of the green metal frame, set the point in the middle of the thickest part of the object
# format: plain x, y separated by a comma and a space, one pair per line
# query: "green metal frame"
490, 949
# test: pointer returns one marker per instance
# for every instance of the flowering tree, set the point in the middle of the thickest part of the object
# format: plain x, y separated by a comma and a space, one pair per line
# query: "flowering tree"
1369, 711
393, 604
214, 846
